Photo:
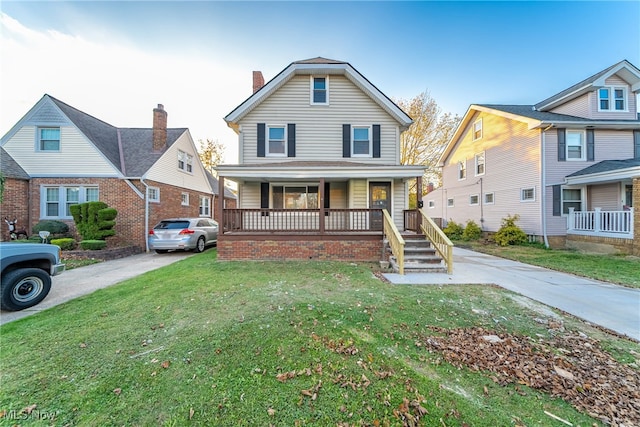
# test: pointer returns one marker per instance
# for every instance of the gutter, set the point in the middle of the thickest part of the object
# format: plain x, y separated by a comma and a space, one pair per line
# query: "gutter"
543, 184
146, 213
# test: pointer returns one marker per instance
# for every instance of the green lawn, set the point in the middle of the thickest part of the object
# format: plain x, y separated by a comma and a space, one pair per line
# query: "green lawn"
202, 342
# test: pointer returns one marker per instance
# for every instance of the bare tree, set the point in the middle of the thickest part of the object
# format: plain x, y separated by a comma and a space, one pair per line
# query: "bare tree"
427, 137
211, 153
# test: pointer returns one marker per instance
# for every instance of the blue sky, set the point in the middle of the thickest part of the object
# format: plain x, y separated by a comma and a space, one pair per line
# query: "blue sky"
116, 60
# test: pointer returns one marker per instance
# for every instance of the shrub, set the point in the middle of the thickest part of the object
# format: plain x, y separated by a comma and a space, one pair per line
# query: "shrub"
472, 231
52, 226
94, 220
509, 233
93, 245
453, 230
66, 243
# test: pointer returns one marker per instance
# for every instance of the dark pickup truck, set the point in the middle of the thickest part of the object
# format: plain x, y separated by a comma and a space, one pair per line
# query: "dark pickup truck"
26, 271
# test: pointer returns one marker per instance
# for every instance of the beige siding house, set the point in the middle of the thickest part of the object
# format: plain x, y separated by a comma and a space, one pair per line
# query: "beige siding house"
319, 159
569, 166
57, 155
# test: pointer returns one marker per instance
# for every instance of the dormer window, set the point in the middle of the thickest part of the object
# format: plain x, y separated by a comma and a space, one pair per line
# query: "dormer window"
612, 99
319, 90
49, 139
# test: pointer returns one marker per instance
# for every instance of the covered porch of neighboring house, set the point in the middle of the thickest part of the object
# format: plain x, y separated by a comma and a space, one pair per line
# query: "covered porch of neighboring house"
601, 203
315, 210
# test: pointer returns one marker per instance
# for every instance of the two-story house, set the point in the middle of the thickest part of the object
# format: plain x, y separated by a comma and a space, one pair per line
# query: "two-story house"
319, 159
57, 156
569, 166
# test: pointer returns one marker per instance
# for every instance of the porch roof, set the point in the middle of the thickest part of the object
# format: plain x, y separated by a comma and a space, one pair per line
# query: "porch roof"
606, 171
318, 169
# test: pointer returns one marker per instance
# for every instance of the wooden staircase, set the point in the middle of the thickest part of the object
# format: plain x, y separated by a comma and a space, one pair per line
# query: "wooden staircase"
419, 256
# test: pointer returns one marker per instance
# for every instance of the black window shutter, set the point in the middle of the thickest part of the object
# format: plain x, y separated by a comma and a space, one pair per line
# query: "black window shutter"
376, 140
261, 143
562, 151
557, 210
264, 195
291, 140
327, 189
590, 145
346, 140
636, 144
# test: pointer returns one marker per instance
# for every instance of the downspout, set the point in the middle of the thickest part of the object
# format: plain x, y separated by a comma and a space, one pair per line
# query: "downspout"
146, 214
543, 185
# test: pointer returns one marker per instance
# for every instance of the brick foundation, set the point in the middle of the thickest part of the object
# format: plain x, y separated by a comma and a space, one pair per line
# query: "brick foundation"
636, 216
301, 248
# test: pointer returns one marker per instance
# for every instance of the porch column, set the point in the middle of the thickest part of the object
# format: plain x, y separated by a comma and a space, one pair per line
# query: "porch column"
220, 204
419, 203
635, 197
321, 203
570, 219
597, 220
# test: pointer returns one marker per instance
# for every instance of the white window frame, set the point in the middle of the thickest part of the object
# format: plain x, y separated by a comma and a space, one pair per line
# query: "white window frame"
153, 194
583, 145
431, 204
462, 170
488, 196
524, 193
312, 90
39, 139
611, 99
471, 200
563, 201
185, 161
286, 185
450, 202
62, 202
184, 199
268, 141
484, 163
204, 207
476, 130
370, 138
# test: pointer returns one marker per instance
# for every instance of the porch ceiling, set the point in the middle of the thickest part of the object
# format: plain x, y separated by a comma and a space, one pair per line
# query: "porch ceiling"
317, 170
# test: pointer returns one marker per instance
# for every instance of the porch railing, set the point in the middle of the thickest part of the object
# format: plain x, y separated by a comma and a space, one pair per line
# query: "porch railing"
438, 239
601, 223
395, 240
302, 220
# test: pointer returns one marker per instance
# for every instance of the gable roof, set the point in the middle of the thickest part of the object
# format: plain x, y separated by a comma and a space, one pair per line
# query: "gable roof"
10, 168
624, 69
312, 66
214, 183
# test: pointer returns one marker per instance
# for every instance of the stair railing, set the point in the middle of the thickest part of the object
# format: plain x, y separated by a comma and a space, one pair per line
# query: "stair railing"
440, 241
395, 240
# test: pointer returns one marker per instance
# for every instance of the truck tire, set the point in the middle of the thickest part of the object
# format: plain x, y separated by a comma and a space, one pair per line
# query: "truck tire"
24, 288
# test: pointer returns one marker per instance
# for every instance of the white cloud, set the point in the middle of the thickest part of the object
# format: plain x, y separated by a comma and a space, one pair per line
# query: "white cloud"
118, 82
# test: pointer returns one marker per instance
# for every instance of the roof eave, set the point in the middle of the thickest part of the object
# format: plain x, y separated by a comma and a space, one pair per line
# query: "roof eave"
606, 176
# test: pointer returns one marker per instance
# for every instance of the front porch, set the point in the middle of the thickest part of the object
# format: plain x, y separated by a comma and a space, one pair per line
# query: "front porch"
601, 223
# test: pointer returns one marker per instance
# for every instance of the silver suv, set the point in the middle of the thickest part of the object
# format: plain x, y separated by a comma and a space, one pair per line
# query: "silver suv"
183, 234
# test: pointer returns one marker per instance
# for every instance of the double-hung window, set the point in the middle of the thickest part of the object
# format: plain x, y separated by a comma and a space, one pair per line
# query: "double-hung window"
319, 90
575, 145
571, 198
612, 99
185, 161
184, 199
479, 161
477, 129
204, 208
295, 196
276, 145
462, 170
48, 139
153, 194
361, 141
57, 200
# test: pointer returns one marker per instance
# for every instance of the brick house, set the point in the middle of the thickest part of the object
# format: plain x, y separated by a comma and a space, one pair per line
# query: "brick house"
57, 155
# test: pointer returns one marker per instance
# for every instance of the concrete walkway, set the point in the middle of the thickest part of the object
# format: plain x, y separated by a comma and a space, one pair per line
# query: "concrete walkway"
614, 307
82, 281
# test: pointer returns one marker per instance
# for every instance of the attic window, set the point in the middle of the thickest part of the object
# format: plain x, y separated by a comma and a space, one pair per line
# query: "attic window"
477, 129
319, 90
185, 161
49, 139
612, 99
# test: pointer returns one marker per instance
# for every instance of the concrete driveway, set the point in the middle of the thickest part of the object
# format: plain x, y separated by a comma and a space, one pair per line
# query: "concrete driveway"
614, 307
81, 281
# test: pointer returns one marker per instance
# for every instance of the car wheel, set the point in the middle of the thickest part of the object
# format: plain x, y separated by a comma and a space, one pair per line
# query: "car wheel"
199, 245
24, 288
162, 251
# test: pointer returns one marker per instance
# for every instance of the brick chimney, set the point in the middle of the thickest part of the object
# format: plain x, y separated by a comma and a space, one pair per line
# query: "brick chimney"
159, 128
258, 81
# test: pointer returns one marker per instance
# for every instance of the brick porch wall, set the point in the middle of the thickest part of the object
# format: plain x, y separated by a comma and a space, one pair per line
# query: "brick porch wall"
300, 248
15, 205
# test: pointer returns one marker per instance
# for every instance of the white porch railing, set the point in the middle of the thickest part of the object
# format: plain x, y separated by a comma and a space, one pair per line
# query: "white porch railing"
601, 223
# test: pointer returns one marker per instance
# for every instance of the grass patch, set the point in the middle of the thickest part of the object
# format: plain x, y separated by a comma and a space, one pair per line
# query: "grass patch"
70, 264
202, 342
619, 269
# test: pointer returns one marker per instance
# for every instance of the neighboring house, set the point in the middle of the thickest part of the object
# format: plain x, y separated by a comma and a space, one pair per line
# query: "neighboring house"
569, 166
319, 158
57, 156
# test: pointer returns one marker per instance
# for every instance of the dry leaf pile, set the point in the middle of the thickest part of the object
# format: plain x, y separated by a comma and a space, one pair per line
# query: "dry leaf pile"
572, 367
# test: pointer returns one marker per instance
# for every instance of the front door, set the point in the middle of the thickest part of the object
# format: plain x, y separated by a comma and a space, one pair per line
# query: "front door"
379, 198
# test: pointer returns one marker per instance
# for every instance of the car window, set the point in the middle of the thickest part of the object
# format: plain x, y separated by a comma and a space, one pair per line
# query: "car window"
172, 225
203, 223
